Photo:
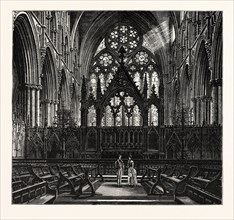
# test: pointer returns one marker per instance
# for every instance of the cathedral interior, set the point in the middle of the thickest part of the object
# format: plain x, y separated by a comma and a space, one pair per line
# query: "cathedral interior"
89, 86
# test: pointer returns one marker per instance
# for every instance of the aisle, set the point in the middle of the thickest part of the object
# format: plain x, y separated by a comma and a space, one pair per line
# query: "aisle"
110, 189
109, 193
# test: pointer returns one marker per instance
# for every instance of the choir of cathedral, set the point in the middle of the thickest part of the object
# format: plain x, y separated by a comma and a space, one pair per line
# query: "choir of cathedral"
90, 85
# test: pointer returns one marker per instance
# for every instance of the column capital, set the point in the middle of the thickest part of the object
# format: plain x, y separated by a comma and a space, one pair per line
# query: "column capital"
28, 85
38, 87
205, 98
33, 86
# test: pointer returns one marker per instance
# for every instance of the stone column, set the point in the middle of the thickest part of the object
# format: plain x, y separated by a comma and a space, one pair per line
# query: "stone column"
46, 115
198, 110
25, 103
194, 100
33, 105
214, 95
209, 101
52, 112
28, 118
37, 103
55, 108
203, 109
48, 112
219, 101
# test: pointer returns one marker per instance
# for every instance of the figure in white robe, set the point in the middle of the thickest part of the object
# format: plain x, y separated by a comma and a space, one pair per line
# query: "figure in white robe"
132, 174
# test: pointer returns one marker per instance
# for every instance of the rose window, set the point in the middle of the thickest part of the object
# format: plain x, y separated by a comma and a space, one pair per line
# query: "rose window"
105, 59
125, 36
142, 58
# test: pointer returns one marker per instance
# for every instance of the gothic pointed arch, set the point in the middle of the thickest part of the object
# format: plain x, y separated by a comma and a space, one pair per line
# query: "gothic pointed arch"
64, 92
49, 92
26, 68
217, 50
201, 85
104, 22
217, 73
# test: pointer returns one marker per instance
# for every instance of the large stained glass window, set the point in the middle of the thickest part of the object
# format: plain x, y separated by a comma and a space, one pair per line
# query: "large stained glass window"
122, 110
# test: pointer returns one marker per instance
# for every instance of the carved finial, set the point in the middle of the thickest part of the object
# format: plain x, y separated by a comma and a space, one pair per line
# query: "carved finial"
83, 89
145, 87
46, 123
99, 90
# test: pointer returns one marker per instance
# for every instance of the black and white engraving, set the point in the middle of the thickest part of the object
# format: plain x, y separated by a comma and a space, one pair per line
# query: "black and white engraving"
117, 107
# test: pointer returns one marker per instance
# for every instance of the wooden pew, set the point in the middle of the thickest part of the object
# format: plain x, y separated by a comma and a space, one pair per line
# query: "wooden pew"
93, 171
152, 177
23, 175
202, 196
204, 187
38, 193
42, 172
69, 179
176, 181
18, 184
209, 180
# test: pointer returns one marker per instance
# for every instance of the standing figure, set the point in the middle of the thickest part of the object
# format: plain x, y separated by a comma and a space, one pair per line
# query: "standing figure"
132, 174
120, 165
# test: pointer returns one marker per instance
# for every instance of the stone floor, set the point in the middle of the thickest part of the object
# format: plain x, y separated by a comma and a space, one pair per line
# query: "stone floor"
111, 189
109, 193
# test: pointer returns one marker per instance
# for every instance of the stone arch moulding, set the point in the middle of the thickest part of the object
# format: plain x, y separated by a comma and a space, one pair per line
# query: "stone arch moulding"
97, 32
64, 89
52, 70
217, 49
25, 20
200, 50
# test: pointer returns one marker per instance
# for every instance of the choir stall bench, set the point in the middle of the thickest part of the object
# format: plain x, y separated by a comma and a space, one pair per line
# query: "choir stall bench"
27, 188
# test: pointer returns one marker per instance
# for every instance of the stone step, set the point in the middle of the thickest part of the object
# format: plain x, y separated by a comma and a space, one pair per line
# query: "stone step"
185, 200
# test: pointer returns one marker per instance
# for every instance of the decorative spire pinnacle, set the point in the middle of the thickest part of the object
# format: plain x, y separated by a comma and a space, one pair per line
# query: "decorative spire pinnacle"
83, 89
99, 91
145, 87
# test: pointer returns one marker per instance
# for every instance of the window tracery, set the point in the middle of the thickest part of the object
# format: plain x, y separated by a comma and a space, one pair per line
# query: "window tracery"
92, 116
139, 61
